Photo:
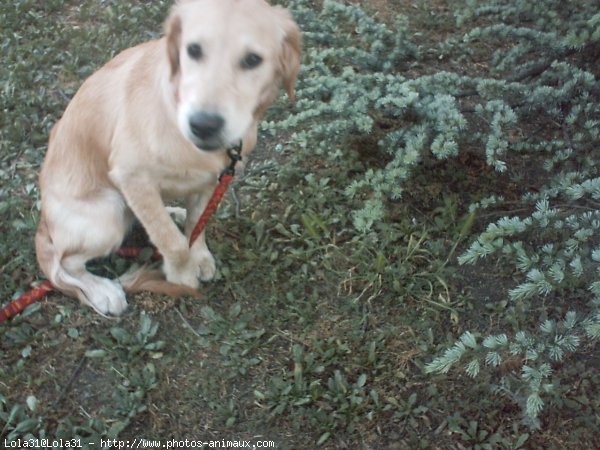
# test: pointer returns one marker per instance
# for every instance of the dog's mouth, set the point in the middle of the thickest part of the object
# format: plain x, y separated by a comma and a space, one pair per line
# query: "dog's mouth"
210, 145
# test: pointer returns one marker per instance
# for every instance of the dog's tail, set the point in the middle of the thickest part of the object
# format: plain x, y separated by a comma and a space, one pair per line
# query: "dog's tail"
144, 279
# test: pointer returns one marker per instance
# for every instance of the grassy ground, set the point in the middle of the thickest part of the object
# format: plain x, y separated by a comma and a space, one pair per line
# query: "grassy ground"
311, 335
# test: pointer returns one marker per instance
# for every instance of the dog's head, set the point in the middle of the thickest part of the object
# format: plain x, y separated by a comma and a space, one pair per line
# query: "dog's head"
228, 60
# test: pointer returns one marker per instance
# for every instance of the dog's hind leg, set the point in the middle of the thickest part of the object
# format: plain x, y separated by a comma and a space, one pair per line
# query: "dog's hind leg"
71, 233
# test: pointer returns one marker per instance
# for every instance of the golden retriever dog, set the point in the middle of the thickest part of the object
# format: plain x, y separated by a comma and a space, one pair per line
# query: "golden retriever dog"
151, 125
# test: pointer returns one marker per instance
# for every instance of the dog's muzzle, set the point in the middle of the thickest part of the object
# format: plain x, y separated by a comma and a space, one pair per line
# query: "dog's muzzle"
207, 130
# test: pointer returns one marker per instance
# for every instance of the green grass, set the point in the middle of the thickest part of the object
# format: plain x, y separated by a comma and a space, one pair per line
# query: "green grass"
310, 335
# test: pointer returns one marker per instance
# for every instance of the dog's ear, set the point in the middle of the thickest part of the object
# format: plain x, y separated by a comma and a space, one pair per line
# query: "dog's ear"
289, 57
173, 36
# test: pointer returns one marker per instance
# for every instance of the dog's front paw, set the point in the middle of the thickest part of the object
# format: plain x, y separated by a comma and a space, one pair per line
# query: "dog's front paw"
187, 273
206, 263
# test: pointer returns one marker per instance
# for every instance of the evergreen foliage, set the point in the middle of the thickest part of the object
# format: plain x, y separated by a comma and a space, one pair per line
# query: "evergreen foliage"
533, 112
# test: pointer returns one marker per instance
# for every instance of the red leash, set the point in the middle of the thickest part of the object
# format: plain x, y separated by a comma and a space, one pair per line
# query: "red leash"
35, 295
19, 305
211, 206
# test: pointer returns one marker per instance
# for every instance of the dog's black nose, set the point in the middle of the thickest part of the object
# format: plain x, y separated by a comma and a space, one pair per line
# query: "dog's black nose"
206, 126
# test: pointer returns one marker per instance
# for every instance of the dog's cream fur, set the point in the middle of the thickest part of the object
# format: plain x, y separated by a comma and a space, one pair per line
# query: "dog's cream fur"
125, 143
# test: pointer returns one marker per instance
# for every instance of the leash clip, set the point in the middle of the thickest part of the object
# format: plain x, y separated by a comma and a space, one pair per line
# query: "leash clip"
235, 155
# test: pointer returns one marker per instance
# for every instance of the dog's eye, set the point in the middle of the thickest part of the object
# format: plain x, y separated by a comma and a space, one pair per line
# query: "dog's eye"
251, 61
194, 51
